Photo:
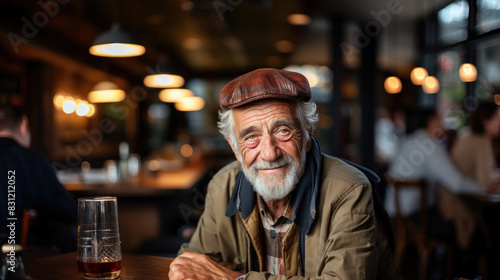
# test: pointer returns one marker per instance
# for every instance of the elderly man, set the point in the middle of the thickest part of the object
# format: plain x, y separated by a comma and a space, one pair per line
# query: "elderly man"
283, 208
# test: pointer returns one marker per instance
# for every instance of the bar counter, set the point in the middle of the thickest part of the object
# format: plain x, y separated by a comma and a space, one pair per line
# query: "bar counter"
150, 205
163, 183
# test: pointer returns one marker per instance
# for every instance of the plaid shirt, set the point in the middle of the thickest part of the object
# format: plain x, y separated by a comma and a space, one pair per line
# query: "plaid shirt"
274, 231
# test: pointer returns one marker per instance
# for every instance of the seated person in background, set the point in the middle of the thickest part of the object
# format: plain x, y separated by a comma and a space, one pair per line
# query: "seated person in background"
473, 155
35, 185
423, 156
386, 137
283, 208
473, 150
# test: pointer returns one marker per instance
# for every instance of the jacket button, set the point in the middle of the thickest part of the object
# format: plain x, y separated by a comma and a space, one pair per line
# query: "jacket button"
273, 234
313, 211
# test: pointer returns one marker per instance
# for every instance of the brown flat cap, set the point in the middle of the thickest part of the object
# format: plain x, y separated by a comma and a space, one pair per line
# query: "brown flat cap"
264, 83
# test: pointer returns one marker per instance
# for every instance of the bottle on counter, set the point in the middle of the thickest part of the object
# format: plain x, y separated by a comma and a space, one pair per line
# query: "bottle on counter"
124, 151
12, 266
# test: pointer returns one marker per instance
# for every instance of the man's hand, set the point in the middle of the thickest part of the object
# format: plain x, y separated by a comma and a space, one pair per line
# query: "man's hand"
197, 266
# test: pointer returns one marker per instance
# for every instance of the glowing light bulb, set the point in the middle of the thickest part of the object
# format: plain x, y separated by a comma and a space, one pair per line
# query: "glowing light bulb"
430, 85
82, 109
393, 85
467, 72
418, 75
69, 105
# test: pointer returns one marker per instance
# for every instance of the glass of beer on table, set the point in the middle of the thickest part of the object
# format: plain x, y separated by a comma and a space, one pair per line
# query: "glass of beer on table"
99, 251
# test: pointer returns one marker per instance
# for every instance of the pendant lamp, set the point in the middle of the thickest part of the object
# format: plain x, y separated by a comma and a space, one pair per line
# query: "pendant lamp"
190, 103
430, 85
116, 43
393, 85
163, 78
418, 75
106, 92
299, 19
467, 72
172, 95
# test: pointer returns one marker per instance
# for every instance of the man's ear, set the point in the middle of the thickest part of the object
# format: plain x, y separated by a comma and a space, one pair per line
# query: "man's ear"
23, 133
23, 128
233, 148
308, 145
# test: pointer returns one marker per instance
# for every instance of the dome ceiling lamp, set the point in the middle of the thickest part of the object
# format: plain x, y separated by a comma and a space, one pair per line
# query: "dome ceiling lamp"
116, 43
190, 103
299, 19
467, 72
393, 85
163, 77
497, 99
430, 85
172, 95
418, 75
106, 92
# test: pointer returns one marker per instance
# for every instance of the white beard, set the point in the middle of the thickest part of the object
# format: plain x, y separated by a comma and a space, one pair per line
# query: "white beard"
275, 187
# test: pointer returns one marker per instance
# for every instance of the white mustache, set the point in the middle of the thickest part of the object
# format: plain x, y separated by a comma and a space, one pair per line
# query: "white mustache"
282, 161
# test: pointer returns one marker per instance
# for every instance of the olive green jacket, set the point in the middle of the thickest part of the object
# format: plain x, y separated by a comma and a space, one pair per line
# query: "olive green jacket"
343, 241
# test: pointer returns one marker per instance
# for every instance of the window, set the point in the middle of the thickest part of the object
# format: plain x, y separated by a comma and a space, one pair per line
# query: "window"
488, 54
452, 22
488, 17
452, 89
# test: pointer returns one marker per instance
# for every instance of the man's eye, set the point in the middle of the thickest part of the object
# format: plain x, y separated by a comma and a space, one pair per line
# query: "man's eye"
251, 137
283, 131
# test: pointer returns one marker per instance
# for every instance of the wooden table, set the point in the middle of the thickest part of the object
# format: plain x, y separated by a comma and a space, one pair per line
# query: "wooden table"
488, 200
134, 267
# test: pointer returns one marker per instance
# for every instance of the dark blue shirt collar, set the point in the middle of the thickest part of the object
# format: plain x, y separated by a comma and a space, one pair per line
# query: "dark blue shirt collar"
304, 195
8, 141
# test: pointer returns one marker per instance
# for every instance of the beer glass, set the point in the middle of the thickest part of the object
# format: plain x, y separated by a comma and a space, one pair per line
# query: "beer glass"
99, 251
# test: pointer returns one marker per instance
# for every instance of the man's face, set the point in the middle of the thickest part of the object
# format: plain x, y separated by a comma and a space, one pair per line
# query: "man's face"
270, 147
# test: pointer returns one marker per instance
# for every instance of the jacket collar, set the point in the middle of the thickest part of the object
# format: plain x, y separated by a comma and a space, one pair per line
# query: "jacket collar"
8, 141
243, 198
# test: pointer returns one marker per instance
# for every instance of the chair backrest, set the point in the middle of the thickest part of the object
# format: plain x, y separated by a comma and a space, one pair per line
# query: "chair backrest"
421, 185
29, 217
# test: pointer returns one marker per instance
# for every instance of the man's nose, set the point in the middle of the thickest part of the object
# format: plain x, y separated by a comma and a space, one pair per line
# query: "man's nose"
269, 150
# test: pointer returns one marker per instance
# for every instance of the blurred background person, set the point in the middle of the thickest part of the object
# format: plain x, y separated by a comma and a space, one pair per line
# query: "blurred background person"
386, 137
473, 151
35, 187
473, 155
423, 155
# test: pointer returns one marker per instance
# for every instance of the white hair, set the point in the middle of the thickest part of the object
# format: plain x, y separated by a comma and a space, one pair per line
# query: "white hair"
304, 111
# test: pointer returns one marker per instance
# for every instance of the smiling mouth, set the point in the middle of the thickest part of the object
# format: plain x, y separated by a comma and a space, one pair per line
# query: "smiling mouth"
269, 166
272, 168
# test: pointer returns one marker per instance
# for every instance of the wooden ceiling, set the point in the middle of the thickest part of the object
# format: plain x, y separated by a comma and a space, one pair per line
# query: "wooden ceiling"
196, 37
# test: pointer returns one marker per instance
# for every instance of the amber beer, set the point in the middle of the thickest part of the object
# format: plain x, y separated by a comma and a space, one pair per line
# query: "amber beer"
99, 251
96, 270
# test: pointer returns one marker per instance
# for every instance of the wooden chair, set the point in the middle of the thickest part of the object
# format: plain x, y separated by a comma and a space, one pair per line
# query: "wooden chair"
29, 217
408, 233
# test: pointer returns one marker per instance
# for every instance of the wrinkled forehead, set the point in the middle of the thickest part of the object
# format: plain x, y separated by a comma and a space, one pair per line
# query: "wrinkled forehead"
270, 112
